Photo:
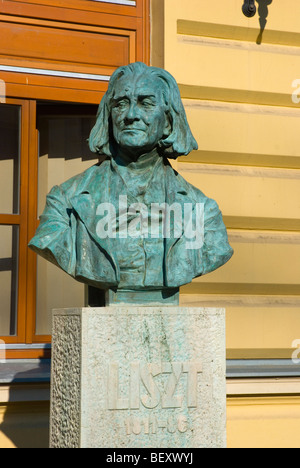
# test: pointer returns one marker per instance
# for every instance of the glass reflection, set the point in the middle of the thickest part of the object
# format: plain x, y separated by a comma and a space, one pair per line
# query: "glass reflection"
8, 279
9, 158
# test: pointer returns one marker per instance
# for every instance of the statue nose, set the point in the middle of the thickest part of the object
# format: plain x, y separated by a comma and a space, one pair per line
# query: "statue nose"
132, 113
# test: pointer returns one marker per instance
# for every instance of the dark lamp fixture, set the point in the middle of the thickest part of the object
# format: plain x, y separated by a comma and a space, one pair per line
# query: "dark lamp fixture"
249, 8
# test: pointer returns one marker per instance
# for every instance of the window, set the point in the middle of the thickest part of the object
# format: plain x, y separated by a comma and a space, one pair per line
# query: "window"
9, 208
14, 148
42, 144
63, 153
53, 86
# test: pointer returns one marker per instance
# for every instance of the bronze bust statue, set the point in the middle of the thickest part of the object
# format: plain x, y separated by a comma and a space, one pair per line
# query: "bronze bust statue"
132, 222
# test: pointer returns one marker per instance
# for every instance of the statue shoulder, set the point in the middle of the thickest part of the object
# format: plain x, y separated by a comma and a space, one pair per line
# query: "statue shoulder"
82, 181
194, 193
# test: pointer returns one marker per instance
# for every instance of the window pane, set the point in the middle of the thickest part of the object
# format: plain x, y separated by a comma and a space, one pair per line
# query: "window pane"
9, 158
55, 290
63, 153
8, 279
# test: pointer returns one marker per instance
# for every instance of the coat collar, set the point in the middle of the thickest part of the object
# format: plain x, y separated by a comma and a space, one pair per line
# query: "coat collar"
92, 190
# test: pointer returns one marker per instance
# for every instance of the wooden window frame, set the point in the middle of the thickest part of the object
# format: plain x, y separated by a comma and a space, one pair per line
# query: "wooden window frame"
21, 220
27, 220
90, 13
93, 6
25, 89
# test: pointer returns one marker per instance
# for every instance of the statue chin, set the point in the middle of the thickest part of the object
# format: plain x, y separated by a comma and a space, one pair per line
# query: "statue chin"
134, 145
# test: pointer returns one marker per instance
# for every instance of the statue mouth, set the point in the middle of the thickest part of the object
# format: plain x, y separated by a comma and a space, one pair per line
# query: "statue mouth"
131, 129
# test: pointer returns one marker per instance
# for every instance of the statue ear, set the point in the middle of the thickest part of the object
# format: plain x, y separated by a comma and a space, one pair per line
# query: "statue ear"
167, 127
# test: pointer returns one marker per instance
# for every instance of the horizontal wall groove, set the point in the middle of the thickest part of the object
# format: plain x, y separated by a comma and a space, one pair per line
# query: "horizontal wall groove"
262, 224
238, 300
263, 237
238, 33
242, 159
240, 171
199, 287
238, 45
239, 96
259, 353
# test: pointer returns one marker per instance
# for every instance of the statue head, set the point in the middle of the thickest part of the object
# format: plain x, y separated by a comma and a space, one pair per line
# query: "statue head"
142, 110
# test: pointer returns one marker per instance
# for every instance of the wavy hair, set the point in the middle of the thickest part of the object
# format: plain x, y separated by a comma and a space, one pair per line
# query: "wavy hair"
180, 141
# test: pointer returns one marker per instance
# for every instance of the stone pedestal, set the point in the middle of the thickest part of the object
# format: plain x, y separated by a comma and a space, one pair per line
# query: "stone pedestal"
138, 377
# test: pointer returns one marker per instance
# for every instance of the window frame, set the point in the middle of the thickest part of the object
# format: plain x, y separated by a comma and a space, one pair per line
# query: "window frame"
25, 344
31, 78
28, 343
21, 220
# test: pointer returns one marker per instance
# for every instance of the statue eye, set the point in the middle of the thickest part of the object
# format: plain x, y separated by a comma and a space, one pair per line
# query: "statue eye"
147, 102
121, 104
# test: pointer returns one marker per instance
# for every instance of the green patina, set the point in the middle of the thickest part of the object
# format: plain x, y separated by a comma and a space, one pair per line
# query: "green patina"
125, 224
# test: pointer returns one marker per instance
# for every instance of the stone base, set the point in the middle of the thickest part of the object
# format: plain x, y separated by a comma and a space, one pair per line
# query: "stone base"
138, 377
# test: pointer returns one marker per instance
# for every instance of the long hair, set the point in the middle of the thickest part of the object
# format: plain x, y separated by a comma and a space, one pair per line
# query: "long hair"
180, 141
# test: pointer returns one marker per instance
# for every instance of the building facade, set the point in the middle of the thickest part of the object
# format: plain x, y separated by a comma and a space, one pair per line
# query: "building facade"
240, 85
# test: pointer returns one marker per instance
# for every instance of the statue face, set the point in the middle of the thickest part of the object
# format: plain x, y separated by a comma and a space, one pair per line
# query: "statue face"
138, 115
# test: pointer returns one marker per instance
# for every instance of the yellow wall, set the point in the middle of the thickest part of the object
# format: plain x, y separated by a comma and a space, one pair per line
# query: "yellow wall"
24, 425
260, 422
237, 83
237, 77
263, 422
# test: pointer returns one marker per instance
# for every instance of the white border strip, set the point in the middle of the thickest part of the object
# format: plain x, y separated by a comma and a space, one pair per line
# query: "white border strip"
264, 387
24, 346
62, 74
118, 2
